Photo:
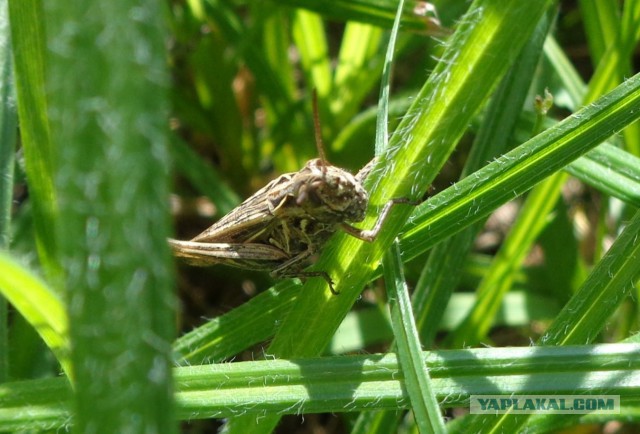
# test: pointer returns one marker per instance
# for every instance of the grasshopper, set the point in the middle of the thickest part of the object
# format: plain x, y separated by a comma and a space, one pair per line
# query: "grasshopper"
290, 219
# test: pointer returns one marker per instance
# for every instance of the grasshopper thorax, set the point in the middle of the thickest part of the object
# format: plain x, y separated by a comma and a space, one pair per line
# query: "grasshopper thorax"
329, 193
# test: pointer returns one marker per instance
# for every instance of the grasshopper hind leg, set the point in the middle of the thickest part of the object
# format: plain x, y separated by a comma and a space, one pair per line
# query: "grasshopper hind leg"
293, 268
285, 271
303, 275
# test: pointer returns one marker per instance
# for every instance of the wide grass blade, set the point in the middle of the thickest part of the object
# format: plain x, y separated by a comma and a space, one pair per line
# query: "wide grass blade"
108, 86
354, 383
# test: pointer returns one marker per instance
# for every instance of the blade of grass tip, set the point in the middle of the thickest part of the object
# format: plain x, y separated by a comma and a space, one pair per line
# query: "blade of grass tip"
424, 404
382, 120
8, 125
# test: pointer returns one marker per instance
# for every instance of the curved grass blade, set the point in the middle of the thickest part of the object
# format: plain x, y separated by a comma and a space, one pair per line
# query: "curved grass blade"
39, 305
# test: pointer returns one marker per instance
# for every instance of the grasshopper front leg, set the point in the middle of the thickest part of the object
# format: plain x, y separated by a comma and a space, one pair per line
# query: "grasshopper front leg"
371, 234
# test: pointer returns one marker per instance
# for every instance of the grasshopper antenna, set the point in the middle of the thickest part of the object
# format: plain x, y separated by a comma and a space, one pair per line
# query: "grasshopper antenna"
318, 131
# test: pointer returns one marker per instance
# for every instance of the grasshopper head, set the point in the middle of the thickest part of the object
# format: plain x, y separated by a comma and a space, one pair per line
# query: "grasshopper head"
327, 193
330, 193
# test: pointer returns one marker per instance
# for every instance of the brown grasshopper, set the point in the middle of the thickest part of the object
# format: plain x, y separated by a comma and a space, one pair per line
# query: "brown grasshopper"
287, 221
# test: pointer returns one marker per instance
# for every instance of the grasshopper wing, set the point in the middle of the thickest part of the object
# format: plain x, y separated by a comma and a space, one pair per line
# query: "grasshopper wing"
248, 220
249, 255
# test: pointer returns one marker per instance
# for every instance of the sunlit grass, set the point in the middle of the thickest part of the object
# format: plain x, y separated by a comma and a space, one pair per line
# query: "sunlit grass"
225, 101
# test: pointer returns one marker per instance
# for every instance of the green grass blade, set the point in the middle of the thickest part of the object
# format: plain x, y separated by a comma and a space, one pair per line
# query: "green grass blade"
357, 71
499, 278
354, 383
27, 34
277, 43
573, 84
610, 281
614, 63
600, 22
480, 193
39, 304
256, 321
108, 111
424, 405
440, 275
43, 404
380, 13
8, 124
584, 316
416, 377
610, 170
382, 120
218, 14
204, 177
229, 334
309, 35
